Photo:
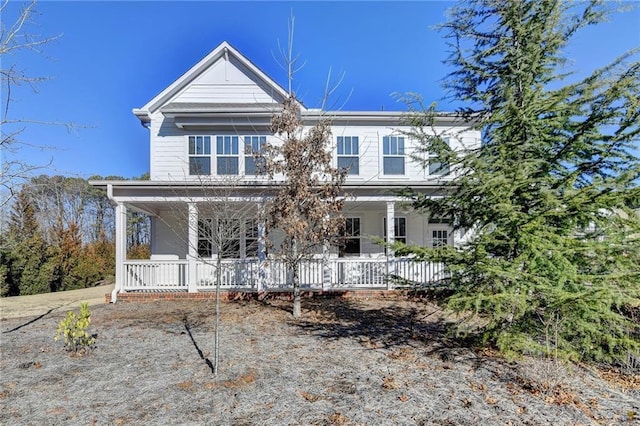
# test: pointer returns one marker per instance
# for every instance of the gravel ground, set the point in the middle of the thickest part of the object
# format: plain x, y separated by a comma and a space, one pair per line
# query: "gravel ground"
372, 362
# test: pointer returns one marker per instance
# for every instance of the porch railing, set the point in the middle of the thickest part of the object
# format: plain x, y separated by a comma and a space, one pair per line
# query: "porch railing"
155, 275
253, 275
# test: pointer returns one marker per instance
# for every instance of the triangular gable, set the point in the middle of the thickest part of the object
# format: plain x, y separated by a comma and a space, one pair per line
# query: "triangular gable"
224, 76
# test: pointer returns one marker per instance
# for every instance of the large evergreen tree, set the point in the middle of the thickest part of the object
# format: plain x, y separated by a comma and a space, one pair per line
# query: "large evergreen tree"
552, 194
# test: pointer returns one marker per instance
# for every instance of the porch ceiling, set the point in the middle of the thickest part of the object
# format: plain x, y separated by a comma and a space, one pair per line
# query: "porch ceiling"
151, 196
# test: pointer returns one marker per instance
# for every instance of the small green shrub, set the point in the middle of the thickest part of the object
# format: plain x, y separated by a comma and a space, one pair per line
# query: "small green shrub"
73, 330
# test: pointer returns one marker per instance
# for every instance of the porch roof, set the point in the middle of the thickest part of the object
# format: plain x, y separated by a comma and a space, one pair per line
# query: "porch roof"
147, 196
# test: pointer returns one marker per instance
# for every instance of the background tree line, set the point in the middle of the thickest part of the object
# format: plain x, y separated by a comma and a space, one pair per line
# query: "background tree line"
58, 234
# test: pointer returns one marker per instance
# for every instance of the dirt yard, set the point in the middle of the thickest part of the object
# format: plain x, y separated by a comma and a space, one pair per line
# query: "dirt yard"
347, 362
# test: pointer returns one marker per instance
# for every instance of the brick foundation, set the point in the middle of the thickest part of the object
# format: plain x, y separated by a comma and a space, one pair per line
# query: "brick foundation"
227, 296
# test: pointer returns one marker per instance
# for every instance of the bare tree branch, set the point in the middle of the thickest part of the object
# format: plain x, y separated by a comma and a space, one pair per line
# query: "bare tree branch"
16, 38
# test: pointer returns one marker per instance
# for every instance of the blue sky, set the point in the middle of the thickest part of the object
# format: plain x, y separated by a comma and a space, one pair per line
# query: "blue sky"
115, 56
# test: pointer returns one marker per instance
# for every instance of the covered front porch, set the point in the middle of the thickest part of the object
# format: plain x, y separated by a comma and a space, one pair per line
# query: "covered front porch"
184, 260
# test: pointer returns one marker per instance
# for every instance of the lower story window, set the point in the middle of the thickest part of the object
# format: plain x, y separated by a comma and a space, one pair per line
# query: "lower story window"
399, 229
439, 237
251, 238
226, 237
205, 238
351, 237
229, 238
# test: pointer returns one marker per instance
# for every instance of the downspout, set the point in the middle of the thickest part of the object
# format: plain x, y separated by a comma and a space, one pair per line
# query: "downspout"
116, 289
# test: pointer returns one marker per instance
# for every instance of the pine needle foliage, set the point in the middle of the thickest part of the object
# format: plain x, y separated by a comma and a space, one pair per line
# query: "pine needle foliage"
551, 195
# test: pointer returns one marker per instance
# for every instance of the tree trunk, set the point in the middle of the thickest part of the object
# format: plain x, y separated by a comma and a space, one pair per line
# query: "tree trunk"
216, 344
297, 310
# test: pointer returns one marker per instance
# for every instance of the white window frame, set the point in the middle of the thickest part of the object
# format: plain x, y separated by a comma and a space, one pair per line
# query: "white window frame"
394, 152
350, 147
447, 169
358, 237
250, 235
438, 240
246, 234
227, 154
201, 145
396, 220
250, 150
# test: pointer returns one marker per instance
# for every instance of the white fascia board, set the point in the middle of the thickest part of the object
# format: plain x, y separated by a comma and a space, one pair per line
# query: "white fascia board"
142, 115
395, 118
154, 104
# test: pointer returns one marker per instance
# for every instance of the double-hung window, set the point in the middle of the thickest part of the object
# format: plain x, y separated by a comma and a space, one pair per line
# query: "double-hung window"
227, 155
253, 159
199, 155
351, 237
393, 155
439, 238
251, 238
206, 237
229, 238
225, 236
348, 154
438, 168
399, 229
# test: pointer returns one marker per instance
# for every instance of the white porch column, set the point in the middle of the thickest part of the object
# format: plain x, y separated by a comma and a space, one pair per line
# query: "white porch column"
326, 267
121, 249
391, 238
391, 229
192, 255
262, 251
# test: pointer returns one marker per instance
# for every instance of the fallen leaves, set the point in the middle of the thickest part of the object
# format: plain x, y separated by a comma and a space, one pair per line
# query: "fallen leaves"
310, 397
338, 419
243, 380
389, 383
185, 385
625, 381
403, 354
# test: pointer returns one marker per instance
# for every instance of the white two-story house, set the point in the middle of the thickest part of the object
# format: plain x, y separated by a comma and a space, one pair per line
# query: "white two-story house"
203, 132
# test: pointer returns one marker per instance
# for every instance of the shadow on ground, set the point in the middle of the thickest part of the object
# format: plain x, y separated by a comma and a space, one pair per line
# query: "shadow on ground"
39, 317
389, 325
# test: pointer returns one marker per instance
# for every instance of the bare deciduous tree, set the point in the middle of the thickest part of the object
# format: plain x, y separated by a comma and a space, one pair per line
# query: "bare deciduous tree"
226, 229
307, 206
16, 38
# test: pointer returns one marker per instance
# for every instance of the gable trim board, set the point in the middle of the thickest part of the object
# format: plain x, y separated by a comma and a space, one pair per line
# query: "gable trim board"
223, 52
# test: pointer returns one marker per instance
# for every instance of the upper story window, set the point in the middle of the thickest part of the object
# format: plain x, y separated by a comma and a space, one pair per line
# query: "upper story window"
227, 162
348, 154
253, 150
351, 237
199, 155
437, 167
393, 155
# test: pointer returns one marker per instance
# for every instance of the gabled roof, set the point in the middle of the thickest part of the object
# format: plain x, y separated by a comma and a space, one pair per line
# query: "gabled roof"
220, 52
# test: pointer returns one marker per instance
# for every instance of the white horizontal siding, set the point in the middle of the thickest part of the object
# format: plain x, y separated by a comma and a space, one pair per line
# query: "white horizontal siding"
170, 151
226, 82
169, 155
169, 230
169, 233
224, 93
